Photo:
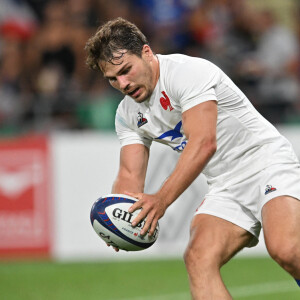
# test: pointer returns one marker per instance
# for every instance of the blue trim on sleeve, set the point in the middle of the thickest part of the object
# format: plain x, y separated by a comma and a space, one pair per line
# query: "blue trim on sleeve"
121, 120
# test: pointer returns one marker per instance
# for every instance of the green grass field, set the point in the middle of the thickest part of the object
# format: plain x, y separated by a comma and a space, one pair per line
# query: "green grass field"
247, 278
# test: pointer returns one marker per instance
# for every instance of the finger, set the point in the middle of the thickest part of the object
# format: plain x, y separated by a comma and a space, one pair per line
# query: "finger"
139, 218
135, 206
147, 225
153, 227
115, 248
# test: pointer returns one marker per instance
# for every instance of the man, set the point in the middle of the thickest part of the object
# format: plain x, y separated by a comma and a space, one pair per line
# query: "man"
191, 105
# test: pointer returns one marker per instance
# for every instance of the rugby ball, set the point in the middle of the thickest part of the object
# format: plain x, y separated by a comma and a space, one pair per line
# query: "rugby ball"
112, 222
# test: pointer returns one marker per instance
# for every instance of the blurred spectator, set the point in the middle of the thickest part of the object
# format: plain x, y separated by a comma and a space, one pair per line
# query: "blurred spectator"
220, 32
52, 66
37, 7
276, 89
164, 23
17, 25
209, 23
294, 68
16, 19
11, 85
45, 85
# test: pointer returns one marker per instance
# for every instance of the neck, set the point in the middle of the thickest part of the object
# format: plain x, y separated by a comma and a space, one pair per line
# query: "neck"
156, 70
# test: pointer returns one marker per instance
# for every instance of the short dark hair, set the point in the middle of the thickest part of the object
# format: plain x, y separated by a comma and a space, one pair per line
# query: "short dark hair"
110, 39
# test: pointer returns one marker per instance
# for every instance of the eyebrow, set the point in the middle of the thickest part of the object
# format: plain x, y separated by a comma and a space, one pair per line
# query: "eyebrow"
119, 72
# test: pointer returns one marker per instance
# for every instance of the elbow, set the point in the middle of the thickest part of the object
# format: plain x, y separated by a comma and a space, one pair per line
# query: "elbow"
210, 148
207, 146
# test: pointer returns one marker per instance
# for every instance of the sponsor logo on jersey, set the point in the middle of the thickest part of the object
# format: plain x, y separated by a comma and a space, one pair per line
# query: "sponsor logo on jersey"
269, 189
174, 133
141, 120
165, 102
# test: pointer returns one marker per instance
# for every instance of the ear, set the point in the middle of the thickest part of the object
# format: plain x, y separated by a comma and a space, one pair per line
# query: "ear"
147, 52
101, 65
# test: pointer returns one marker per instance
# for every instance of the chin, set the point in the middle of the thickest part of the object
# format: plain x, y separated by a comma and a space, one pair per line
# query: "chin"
143, 98
140, 100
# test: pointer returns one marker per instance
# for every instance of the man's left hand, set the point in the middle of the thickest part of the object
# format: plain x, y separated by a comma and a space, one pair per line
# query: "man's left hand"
152, 209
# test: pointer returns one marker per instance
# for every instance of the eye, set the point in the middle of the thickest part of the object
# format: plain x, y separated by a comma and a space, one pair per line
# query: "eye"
126, 71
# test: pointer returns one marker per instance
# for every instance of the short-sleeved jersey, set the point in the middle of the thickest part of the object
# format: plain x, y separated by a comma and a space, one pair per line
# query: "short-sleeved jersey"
246, 142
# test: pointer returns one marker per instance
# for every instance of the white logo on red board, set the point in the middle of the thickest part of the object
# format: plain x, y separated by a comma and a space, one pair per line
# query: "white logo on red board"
14, 181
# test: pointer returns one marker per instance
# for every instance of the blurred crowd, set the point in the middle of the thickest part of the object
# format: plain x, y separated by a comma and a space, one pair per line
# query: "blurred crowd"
46, 86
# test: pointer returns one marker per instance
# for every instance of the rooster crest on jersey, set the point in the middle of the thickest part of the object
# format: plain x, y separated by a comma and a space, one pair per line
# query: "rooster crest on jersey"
141, 120
165, 102
269, 189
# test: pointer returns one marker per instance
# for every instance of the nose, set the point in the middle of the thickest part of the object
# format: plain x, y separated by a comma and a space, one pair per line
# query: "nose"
123, 83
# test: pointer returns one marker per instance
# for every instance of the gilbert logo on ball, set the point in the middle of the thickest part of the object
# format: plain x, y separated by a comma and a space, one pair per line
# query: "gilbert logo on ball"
112, 222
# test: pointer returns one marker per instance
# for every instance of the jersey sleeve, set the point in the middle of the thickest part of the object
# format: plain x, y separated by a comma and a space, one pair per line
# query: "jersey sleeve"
194, 82
127, 135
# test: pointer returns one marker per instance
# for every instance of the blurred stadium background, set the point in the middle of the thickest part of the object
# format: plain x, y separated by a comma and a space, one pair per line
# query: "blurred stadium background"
59, 153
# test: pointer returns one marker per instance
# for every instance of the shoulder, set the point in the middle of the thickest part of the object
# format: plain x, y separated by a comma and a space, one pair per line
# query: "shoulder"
126, 106
179, 70
125, 110
177, 64
184, 75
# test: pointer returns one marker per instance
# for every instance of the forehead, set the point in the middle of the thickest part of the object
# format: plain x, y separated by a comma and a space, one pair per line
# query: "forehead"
113, 67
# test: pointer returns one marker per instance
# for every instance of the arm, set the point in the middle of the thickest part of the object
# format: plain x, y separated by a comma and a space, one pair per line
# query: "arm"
199, 124
132, 170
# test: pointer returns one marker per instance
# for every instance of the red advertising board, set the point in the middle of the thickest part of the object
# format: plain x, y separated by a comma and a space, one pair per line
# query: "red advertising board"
25, 210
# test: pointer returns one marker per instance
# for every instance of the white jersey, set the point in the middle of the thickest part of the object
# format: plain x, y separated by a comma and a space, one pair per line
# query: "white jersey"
246, 142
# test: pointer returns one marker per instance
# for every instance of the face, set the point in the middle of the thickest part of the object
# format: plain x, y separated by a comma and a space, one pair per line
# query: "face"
132, 75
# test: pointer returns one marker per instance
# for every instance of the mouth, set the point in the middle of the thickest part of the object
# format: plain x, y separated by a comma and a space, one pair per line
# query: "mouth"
134, 93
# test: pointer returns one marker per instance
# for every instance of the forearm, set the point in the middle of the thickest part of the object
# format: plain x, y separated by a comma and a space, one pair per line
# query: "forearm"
190, 164
127, 184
